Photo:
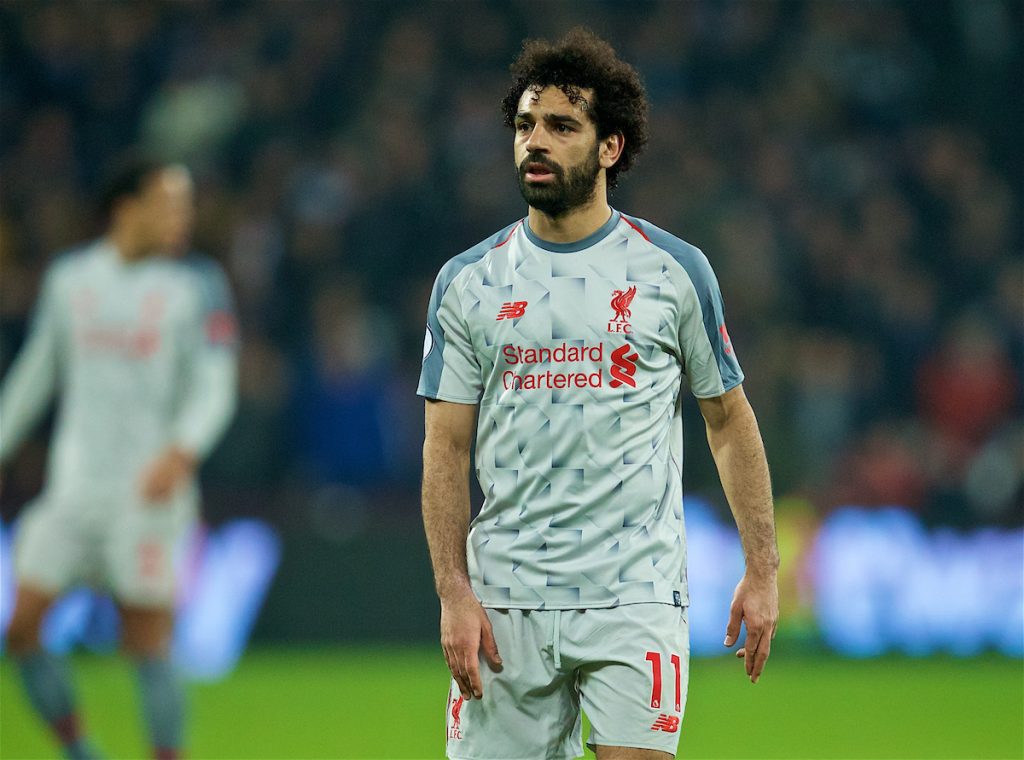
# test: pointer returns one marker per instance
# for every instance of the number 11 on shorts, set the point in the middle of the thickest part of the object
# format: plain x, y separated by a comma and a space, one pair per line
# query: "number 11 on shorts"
655, 659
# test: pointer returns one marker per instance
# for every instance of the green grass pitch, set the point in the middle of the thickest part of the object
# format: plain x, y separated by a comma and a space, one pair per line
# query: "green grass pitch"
390, 702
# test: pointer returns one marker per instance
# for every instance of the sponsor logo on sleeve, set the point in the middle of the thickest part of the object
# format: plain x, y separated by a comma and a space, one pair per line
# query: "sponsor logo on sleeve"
725, 338
428, 342
221, 328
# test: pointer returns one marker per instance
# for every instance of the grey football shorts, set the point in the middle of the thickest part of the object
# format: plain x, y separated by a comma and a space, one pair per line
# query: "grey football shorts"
130, 551
626, 667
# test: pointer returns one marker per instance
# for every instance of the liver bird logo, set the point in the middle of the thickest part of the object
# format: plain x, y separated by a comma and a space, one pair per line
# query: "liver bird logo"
457, 713
621, 299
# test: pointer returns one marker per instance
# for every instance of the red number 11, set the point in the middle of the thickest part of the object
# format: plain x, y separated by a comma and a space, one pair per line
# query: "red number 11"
655, 659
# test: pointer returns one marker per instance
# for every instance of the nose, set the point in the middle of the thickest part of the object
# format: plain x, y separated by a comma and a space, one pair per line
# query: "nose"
536, 140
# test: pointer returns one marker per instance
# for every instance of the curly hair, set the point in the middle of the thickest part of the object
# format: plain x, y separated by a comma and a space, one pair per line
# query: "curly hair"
582, 60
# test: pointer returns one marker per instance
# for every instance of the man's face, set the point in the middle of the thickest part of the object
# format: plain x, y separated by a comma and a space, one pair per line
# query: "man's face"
164, 211
556, 151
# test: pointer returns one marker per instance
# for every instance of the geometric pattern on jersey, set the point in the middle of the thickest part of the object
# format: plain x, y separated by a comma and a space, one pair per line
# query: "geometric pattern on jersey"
579, 434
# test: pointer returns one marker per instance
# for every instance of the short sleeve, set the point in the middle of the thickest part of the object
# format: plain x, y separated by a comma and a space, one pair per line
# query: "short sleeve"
217, 307
709, 359
451, 370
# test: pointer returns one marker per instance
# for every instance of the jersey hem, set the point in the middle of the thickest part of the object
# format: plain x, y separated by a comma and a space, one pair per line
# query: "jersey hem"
684, 603
447, 397
529, 597
626, 743
725, 388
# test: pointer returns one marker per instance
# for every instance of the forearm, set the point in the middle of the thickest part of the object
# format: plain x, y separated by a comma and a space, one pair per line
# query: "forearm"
26, 394
210, 406
743, 468
446, 515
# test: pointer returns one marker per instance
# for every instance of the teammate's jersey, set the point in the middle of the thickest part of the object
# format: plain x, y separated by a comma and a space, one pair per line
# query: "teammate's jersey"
576, 354
143, 356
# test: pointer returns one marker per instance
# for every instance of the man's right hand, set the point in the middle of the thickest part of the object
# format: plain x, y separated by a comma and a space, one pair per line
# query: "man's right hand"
166, 474
465, 631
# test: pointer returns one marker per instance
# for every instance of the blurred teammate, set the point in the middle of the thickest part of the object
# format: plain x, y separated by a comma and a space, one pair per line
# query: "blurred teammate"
140, 348
563, 341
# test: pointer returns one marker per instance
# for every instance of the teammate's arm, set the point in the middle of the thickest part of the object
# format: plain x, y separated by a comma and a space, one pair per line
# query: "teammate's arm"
210, 402
211, 391
32, 380
739, 454
465, 628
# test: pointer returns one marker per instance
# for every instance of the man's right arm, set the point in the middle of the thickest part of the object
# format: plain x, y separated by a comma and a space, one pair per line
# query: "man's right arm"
465, 628
32, 380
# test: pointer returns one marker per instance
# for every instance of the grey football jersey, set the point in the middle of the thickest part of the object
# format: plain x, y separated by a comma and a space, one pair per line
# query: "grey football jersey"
143, 355
576, 354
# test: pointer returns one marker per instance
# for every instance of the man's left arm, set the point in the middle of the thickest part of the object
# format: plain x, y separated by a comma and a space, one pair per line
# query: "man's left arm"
211, 393
736, 445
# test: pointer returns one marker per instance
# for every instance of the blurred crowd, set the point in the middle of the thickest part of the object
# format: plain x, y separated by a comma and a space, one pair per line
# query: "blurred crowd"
852, 170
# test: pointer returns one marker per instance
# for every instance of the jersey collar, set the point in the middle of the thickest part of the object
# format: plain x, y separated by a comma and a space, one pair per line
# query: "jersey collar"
592, 239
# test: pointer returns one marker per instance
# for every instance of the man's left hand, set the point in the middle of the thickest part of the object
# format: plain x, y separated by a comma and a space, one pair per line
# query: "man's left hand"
166, 474
756, 603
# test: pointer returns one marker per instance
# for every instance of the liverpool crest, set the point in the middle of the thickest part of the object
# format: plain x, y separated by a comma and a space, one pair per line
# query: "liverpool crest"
621, 299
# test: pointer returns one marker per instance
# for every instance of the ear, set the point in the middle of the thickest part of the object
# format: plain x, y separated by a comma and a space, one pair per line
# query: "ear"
610, 149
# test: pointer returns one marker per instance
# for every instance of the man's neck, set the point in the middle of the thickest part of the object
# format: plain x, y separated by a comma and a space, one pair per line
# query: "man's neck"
575, 225
127, 247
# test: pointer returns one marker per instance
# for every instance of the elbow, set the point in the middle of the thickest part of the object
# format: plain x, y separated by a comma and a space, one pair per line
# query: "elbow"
444, 452
445, 448
730, 411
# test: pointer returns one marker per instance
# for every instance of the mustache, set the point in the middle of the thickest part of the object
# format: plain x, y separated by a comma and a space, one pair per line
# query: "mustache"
539, 158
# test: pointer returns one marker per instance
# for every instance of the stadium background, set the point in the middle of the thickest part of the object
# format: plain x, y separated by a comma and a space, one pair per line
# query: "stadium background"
853, 171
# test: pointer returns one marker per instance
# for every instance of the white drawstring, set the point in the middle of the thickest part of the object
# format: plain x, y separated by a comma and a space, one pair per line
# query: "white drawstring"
556, 639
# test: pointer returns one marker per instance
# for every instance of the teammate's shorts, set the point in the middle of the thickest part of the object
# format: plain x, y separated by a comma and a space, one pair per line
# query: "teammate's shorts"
129, 549
626, 667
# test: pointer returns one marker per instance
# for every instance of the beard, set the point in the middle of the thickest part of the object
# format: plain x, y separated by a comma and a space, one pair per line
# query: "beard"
567, 191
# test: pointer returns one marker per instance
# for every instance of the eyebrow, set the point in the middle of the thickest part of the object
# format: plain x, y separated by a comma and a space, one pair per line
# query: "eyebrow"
551, 118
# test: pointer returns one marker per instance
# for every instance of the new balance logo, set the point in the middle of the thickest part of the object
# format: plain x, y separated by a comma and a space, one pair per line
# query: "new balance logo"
623, 366
511, 310
667, 723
